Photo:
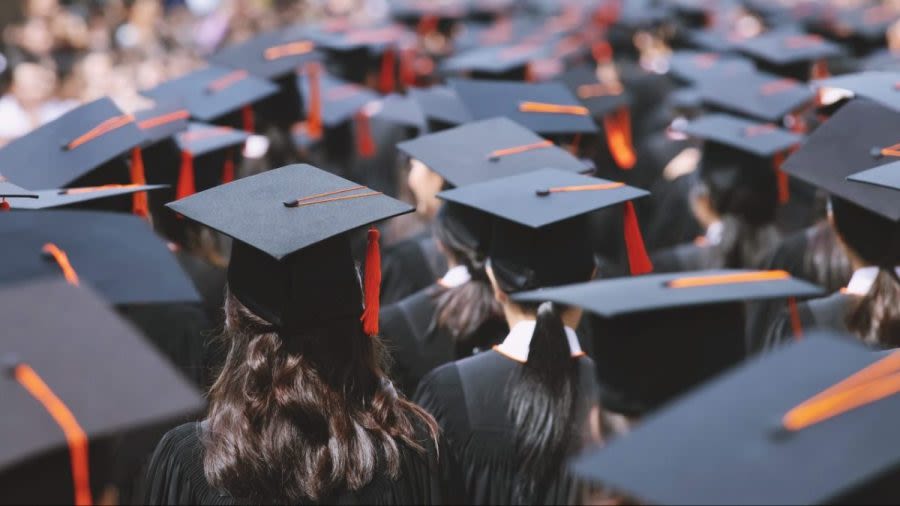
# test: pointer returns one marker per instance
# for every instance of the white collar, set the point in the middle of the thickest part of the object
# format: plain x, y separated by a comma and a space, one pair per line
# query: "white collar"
456, 276
714, 233
518, 341
863, 279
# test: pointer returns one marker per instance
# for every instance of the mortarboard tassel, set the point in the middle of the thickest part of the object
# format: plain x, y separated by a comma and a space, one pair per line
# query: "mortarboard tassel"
62, 260
139, 204
365, 145
372, 284
76, 438
618, 137
796, 322
638, 260
408, 67
4, 205
248, 119
314, 115
228, 168
185, 186
386, 78
602, 52
782, 180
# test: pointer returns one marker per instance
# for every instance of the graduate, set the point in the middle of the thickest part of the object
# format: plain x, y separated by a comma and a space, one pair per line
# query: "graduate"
512, 415
302, 411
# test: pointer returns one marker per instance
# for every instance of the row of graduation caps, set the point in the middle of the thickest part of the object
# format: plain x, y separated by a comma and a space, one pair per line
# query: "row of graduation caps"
296, 216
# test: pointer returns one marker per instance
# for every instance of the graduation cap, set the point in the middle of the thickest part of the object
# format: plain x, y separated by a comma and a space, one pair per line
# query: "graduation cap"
162, 121
208, 148
74, 149
790, 53
77, 197
417, 10
538, 237
291, 262
495, 62
805, 424
714, 39
116, 254
758, 95
884, 175
546, 108
685, 327
441, 105
401, 110
214, 92
9, 190
882, 87
861, 135
883, 59
75, 373
697, 66
488, 149
864, 26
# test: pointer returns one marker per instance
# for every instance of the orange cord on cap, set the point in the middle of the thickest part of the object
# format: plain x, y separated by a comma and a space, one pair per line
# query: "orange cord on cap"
314, 115
62, 260
227, 80
541, 107
206, 133
802, 41
778, 86
186, 185
618, 137
499, 153
101, 129
729, 279
76, 438
706, 60
365, 144
319, 197
595, 90
871, 384
372, 284
796, 322
638, 259
147, 124
139, 205
92, 189
762, 129
289, 49
580, 188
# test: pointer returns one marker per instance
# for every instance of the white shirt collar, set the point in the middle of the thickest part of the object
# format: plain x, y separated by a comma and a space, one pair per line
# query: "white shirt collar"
863, 279
518, 341
456, 276
714, 233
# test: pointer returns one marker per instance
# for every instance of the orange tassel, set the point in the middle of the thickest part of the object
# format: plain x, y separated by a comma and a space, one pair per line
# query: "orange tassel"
228, 169
185, 187
248, 119
618, 137
386, 80
638, 260
408, 67
139, 203
4, 205
602, 52
365, 145
782, 180
372, 284
314, 114
796, 323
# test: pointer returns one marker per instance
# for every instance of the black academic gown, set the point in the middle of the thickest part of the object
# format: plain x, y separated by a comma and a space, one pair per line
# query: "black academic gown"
469, 400
417, 344
409, 266
175, 476
698, 256
826, 314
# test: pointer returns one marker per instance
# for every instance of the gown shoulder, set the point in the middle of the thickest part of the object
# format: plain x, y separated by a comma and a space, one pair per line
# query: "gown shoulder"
409, 266
826, 313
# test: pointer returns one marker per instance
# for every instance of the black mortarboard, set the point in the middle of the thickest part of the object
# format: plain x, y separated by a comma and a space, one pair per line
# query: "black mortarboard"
495, 62
546, 108
271, 55
200, 139
414, 10
760, 139
685, 327
76, 148
72, 197
441, 105
214, 92
884, 175
600, 99
539, 215
8, 190
401, 110
291, 262
728, 441
207, 158
713, 39
881, 87
340, 100
72, 365
861, 135
865, 26
883, 59
757, 95
696, 66
788, 52
488, 149
162, 121
116, 254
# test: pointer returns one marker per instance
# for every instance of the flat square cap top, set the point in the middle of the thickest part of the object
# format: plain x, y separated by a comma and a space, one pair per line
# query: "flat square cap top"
887, 176
201, 138
488, 149
788, 47
162, 121
78, 142
441, 103
613, 297
285, 210
8, 189
271, 55
341, 100
731, 445
107, 375
50, 199
375, 38
697, 66
761, 139
851, 141
213, 91
116, 254
493, 59
757, 95
882, 87
401, 110
543, 197
546, 108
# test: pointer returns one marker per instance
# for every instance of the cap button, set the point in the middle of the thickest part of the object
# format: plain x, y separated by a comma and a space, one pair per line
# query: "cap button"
875, 152
542, 192
9, 362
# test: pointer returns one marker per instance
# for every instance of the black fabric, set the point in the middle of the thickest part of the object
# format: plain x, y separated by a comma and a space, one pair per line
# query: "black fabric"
210, 282
469, 400
824, 314
418, 344
175, 476
409, 266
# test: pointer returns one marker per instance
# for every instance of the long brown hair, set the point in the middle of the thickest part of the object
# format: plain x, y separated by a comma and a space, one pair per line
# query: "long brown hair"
298, 417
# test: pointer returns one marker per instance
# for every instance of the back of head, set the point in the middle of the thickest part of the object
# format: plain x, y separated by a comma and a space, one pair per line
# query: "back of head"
874, 240
740, 184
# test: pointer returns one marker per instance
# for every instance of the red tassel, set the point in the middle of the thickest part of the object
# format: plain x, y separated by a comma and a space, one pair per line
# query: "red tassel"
372, 285
185, 187
4, 205
602, 52
314, 115
139, 200
228, 169
782, 180
618, 137
386, 79
248, 119
365, 145
638, 260
408, 67
796, 323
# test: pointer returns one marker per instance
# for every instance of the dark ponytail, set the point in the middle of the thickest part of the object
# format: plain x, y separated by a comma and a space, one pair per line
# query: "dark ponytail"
875, 318
543, 397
